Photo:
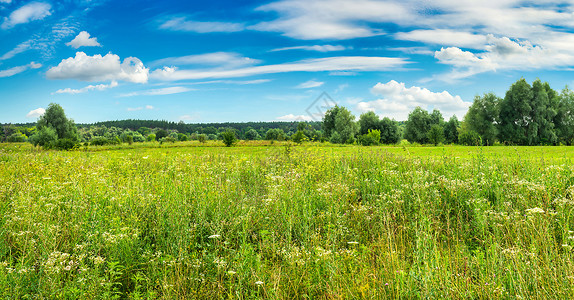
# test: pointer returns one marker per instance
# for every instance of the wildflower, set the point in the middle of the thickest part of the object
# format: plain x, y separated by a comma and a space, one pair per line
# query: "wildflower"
535, 210
353, 243
231, 272
215, 236
259, 282
99, 260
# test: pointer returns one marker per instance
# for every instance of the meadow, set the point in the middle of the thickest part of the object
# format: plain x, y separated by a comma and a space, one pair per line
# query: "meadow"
279, 221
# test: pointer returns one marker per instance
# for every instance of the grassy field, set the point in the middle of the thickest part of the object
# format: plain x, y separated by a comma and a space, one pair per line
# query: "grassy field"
185, 221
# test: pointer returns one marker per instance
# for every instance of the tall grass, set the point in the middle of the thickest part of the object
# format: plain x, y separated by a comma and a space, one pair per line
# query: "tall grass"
285, 222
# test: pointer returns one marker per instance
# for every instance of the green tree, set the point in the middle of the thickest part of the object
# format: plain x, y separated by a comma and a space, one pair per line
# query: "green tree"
55, 118
418, 125
371, 138
564, 118
202, 138
160, 134
540, 129
436, 134
329, 121
390, 133
369, 121
482, 117
346, 126
229, 138
515, 113
252, 134
451, 130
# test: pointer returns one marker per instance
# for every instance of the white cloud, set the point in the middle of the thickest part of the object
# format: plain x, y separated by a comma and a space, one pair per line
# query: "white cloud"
159, 92
182, 24
190, 118
36, 113
19, 49
6, 1
330, 19
398, 101
16, 70
292, 117
318, 48
99, 87
220, 59
100, 68
83, 39
148, 107
30, 12
341, 87
310, 84
341, 63
444, 37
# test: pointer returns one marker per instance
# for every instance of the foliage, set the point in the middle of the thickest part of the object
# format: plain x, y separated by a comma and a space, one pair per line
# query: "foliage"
299, 137
482, 117
469, 138
229, 138
202, 138
372, 138
389, 131
251, 135
435, 134
451, 130
17, 137
345, 125
418, 125
275, 135
55, 118
151, 137
160, 134
369, 121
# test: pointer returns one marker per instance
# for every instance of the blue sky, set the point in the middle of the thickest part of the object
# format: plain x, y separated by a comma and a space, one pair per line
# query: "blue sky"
218, 61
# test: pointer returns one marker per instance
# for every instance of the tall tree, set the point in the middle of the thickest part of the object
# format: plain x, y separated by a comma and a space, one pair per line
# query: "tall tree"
482, 117
564, 119
345, 125
329, 121
390, 133
368, 121
515, 113
541, 129
418, 125
451, 130
55, 118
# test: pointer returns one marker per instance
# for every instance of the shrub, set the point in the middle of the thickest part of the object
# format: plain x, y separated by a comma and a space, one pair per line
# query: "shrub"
202, 138
17, 137
45, 137
64, 144
99, 141
182, 137
229, 138
469, 138
151, 138
371, 138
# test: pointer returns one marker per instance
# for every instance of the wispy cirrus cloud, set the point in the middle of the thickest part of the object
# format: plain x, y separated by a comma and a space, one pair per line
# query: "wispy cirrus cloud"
32, 11
99, 87
318, 48
225, 60
182, 24
310, 84
19, 69
341, 63
159, 92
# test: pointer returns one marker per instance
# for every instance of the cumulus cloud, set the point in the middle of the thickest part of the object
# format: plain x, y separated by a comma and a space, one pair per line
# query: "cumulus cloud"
292, 117
36, 113
30, 12
99, 87
19, 69
83, 39
219, 59
341, 63
398, 101
318, 48
182, 24
310, 84
159, 92
100, 68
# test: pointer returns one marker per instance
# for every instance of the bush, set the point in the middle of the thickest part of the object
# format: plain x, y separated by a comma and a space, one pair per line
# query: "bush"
229, 138
168, 139
335, 138
299, 137
212, 137
45, 137
469, 138
17, 137
160, 134
182, 137
64, 144
371, 138
202, 138
151, 137
100, 141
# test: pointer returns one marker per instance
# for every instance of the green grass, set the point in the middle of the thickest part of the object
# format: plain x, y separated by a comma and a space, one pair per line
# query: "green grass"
185, 221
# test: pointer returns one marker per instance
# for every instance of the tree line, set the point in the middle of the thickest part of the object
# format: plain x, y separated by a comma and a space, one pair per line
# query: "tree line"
527, 115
